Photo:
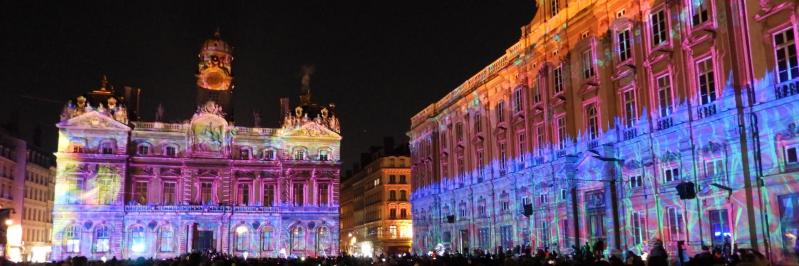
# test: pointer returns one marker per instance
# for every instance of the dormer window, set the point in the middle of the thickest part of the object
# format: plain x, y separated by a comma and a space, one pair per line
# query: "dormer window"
269, 154
323, 155
299, 154
107, 147
143, 149
170, 151
244, 153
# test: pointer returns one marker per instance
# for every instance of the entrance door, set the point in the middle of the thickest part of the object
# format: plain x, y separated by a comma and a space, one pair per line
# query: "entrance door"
465, 241
204, 241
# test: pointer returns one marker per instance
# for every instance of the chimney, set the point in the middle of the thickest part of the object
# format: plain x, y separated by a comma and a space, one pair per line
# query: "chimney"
284, 108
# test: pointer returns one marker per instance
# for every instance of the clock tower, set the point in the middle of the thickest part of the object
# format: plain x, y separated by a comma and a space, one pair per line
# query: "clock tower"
214, 78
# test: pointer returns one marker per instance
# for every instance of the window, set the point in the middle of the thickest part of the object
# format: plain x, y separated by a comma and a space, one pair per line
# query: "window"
169, 193
299, 197
299, 154
671, 175
104, 188
561, 123
707, 82
269, 155
636, 181
544, 233
140, 192
785, 51
557, 79
639, 227
167, 238
243, 194
392, 179
719, 228
242, 238
592, 121
392, 195
402, 179
171, 151
700, 12
392, 231
676, 226
625, 49
403, 214
543, 199
540, 139
630, 109
517, 100
506, 235
267, 238
478, 125
101, 238
791, 154
481, 207
72, 236
137, 239
482, 236
563, 194
403, 195
107, 148
503, 156
324, 194
522, 146
500, 109
297, 240
664, 95
392, 213
537, 90
480, 163
323, 155
244, 153
553, 8
143, 149
206, 190
659, 28
588, 64
505, 205
269, 195
714, 168
596, 225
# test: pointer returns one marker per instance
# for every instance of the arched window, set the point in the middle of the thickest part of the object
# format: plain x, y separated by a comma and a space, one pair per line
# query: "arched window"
403, 195
166, 239
244, 153
297, 238
107, 146
72, 237
322, 241
299, 153
143, 149
137, 239
171, 151
324, 154
101, 239
392, 195
269, 154
242, 235
267, 239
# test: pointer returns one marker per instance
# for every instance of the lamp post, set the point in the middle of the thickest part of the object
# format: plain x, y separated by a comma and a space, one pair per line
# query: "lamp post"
614, 198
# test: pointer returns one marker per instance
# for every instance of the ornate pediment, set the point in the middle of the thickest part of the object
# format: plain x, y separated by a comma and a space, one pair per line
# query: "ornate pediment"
310, 129
93, 120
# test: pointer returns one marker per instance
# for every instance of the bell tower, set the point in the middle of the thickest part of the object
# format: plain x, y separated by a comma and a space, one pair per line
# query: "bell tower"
214, 77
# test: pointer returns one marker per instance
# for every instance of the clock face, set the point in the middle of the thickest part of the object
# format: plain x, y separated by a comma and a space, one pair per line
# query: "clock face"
215, 80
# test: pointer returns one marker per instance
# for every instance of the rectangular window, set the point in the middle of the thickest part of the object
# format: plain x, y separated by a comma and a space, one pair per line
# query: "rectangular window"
700, 12
714, 168
459, 132
659, 27
392, 213
563, 194
169, 193
243, 194
561, 123
592, 121
671, 175
707, 81
664, 95
478, 125
324, 194
403, 214
166, 240
625, 48
206, 190
630, 110
392, 179
639, 227
505, 204
543, 199
537, 90
482, 236
170, 151
517, 101
719, 227
522, 146
140, 192
299, 194
588, 64
269, 155
545, 233
540, 142
402, 179
791, 154
480, 164
500, 109
269, 195
636, 181
676, 224
506, 235
503, 156
323, 155
596, 225
392, 231
785, 51
557, 79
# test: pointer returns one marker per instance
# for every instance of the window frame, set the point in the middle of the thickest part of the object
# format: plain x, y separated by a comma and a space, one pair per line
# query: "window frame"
782, 30
715, 95
624, 46
670, 109
666, 41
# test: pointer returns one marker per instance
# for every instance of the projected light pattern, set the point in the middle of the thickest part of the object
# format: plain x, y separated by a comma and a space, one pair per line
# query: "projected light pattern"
154, 189
558, 159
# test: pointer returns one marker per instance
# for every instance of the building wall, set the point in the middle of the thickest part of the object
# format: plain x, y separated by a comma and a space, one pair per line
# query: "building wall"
367, 205
570, 119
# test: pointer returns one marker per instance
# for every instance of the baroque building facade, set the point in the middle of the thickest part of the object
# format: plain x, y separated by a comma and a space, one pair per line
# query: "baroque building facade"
131, 189
375, 207
26, 186
582, 130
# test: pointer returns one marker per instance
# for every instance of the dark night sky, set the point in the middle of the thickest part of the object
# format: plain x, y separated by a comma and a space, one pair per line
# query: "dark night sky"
379, 61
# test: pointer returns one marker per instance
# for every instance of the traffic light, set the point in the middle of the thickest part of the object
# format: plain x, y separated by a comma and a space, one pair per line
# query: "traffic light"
528, 209
687, 190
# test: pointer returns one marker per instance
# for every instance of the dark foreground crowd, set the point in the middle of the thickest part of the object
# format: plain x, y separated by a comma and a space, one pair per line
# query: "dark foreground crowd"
583, 256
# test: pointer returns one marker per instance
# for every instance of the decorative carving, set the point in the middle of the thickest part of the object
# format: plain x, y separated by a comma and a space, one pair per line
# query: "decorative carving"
670, 156
712, 147
632, 164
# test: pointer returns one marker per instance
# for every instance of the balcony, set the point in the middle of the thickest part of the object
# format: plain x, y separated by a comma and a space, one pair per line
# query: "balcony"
592, 144
706, 110
630, 133
786, 89
664, 123
560, 153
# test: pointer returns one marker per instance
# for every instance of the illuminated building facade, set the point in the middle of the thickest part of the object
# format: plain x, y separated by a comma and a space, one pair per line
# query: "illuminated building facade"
26, 186
375, 211
599, 111
157, 189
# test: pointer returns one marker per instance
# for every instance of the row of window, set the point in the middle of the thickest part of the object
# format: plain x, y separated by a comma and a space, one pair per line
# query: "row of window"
243, 196
403, 213
245, 153
37, 178
36, 235
392, 195
37, 194
38, 215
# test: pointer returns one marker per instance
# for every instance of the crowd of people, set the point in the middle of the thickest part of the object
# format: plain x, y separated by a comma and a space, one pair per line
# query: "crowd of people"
582, 256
